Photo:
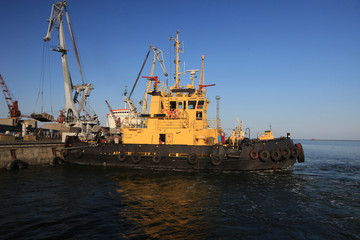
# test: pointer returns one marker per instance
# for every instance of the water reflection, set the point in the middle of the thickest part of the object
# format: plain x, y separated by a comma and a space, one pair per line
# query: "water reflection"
170, 204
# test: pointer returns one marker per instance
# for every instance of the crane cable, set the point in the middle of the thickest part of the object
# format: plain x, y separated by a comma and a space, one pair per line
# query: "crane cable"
41, 83
75, 49
147, 55
45, 59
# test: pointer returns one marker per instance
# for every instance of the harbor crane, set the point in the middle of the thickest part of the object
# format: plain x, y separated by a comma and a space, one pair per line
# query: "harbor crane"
76, 96
116, 119
158, 55
12, 104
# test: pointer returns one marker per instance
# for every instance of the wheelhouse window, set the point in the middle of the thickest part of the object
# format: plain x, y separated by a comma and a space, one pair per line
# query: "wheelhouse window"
200, 104
180, 105
172, 105
192, 104
198, 115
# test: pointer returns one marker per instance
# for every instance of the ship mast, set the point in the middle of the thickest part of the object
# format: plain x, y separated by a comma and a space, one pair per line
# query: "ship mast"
177, 61
202, 80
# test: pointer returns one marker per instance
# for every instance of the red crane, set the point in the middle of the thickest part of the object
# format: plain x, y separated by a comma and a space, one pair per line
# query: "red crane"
202, 86
12, 104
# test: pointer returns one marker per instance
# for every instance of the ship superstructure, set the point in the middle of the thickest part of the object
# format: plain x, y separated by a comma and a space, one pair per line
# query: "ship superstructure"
176, 116
120, 115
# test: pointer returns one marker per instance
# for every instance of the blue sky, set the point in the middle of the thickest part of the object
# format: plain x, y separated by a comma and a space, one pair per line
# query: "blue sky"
292, 64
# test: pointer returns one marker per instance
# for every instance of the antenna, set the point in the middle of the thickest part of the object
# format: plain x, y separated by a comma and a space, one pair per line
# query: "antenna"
217, 112
192, 73
202, 80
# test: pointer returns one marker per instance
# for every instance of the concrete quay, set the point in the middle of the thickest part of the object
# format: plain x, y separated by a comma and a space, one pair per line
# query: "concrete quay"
21, 154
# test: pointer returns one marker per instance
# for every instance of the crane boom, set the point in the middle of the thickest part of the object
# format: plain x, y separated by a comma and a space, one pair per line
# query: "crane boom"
73, 107
158, 55
116, 120
12, 104
56, 19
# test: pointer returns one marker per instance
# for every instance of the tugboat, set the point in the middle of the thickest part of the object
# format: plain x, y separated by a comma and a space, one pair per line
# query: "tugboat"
175, 134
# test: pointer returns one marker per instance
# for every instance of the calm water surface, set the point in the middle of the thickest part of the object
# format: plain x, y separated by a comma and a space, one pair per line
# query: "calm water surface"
319, 199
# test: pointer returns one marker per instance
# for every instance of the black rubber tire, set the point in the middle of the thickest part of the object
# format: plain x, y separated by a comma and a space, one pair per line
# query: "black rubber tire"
64, 152
56, 161
78, 153
122, 157
16, 164
276, 155
216, 160
294, 152
136, 158
301, 157
192, 159
285, 153
156, 159
264, 156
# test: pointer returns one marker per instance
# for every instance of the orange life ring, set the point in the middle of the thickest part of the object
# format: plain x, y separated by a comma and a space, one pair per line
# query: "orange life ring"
175, 113
166, 112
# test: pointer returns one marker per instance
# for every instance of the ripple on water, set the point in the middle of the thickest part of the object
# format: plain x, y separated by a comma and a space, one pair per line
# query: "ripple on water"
319, 199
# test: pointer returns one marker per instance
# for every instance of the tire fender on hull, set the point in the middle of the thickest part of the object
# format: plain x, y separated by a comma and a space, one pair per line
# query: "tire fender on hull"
121, 157
78, 153
64, 152
192, 159
156, 159
136, 158
254, 155
294, 152
285, 153
16, 164
301, 157
57, 161
276, 155
264, 155
216, 160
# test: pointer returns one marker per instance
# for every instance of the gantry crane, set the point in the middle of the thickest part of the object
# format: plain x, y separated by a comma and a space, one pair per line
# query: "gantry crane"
158, 55
11, 103
82, 91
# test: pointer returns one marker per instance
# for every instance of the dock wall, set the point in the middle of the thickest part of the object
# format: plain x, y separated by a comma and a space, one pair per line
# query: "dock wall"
32, 153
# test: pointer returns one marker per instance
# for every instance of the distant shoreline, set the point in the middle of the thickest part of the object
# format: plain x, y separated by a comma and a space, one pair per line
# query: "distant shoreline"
314, 139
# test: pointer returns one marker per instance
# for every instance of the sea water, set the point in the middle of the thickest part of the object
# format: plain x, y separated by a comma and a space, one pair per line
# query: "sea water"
318, 199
